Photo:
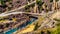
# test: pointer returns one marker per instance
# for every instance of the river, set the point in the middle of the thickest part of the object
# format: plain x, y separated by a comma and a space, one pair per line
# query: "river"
21, 26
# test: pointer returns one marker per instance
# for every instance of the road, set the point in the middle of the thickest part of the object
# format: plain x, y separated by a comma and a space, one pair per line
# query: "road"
42, 25
14, 12
48, 20
10, 12
21, 7
6, 14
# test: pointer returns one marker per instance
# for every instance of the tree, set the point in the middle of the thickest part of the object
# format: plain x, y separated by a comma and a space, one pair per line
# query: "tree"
51, 0
48, 32
58, 27
32, 5
39, 2
36, 26
57, 19
29, 0
42, 32
2, 2
56, 30
56, 0
27, 7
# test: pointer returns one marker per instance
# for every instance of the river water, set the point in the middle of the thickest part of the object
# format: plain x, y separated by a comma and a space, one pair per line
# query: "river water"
21, 26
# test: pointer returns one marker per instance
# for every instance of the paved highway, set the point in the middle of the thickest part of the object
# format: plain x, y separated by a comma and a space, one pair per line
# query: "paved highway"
20, 7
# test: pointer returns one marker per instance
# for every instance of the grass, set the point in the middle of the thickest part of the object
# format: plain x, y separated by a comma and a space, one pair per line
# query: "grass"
56, 30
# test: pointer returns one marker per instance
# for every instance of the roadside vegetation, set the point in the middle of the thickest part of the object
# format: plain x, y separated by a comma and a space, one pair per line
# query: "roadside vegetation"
39, 4
56, 30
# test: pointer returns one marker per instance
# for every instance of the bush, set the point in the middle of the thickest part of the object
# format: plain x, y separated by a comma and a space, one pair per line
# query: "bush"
27, 7
32, 5
51, 0
28, 10
56, 0
57, 29
39, 2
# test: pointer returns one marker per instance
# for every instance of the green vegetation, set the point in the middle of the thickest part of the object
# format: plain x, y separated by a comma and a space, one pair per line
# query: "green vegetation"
29, 0
36, 27
27, 8
3, 1
4, 6
32, 5
57, 29
56, 0
58, 26
39, 2
57, 19
42, 32
48, 32
51, 0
